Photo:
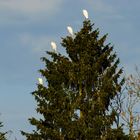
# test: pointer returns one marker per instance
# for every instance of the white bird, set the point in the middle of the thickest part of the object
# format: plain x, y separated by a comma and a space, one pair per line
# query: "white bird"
85, 13
53, 45
40, 81
70, 30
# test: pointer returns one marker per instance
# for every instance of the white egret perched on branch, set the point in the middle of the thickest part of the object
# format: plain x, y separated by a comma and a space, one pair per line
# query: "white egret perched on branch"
40, 81
85, 13
70, 30
53, 45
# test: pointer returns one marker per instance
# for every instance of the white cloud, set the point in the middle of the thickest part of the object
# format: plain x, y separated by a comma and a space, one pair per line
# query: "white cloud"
37, 44
29, 8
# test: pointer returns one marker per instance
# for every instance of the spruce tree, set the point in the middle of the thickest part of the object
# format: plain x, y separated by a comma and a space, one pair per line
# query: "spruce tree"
2, 134
76, 103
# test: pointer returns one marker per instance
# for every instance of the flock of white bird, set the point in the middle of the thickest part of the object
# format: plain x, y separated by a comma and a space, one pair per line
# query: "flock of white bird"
54, 46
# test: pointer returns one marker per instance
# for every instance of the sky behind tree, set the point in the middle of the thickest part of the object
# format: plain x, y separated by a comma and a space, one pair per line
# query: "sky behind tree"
26, 30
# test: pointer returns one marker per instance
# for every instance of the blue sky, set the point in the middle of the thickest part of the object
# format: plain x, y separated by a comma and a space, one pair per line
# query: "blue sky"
28, 26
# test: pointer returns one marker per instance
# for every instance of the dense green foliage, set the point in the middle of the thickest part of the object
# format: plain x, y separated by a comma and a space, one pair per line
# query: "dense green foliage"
2, 134
75, 104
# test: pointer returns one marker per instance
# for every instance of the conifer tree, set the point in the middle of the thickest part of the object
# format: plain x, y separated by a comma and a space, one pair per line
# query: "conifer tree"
2, 134
76, 102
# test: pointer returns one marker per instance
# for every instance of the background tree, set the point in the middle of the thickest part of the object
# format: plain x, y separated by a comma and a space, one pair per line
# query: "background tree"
76, 103
130, 112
